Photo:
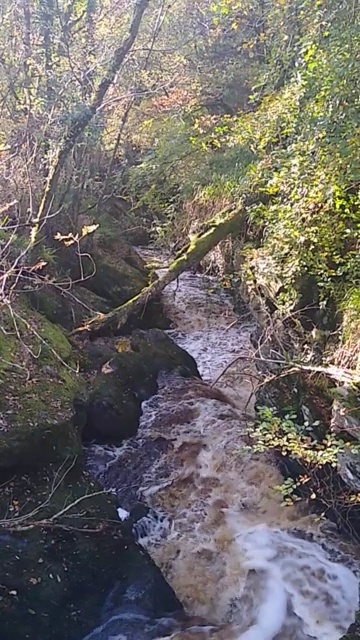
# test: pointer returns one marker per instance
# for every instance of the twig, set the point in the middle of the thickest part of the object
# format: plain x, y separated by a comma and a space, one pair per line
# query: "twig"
73, 504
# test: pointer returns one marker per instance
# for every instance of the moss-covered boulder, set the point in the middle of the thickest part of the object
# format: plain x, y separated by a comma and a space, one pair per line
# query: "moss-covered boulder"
39, 390
116, 283
108, 266
130, 377
112, 242
114, 410
68, 308
59, 580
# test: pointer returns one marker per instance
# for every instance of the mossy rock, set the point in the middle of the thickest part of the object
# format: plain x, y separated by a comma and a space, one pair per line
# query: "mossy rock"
67, 308
109, 266
116, 284
39, 388
130, 377
112, 242
56, 580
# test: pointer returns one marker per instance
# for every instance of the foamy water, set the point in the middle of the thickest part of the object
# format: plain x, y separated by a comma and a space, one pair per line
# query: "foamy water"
245, 567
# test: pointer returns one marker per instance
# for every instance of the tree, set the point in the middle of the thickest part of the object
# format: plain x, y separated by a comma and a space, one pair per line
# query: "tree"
40, 135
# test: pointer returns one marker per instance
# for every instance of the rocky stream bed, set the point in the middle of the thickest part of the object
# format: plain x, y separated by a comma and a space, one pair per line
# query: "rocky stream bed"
191, 541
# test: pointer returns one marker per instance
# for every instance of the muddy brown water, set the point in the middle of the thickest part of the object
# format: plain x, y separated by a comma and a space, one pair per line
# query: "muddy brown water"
244, 567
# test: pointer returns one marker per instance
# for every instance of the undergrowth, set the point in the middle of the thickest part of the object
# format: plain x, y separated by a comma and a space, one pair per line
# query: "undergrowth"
313, 450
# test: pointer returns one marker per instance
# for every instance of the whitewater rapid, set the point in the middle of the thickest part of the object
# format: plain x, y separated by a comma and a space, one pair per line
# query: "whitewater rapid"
245, 567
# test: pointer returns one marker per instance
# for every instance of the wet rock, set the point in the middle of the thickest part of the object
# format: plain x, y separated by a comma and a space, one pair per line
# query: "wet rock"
354, 631
135, 626
345, 421
346, 412
138, 236
157, 347
96, 354
60, 582
114, 407
349, 470
40, 392
114, 410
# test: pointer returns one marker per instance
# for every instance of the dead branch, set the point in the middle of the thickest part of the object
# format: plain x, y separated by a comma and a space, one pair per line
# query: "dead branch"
340, 375
28, 520
14, 524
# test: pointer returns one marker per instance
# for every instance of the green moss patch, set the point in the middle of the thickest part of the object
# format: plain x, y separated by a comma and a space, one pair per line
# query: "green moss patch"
38, 386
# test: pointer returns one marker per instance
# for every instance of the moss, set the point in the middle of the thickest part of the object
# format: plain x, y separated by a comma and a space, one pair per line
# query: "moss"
38, 386
67, 309
56, 341
7, 350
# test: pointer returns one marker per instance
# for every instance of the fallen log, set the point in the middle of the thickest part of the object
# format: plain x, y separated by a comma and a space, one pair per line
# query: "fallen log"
230, 222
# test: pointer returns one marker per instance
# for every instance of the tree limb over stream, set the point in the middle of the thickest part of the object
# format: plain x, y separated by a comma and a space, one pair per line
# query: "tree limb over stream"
217, 229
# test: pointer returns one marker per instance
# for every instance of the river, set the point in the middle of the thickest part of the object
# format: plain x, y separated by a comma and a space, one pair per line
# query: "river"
245, 567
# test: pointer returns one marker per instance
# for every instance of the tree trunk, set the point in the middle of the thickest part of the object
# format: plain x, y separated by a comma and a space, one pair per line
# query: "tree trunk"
192, 255
81, 121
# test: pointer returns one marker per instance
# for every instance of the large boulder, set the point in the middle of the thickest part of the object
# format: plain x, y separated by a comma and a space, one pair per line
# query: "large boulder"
111, 270
106, 263
68, 308
114, 407
111, 242
61, 580
116, 282
40, 391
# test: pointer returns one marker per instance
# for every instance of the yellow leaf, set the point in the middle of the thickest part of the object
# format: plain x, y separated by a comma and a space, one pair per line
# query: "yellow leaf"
88, 228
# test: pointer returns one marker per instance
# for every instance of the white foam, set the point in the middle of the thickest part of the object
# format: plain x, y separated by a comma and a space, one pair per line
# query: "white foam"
152, 528
297, 575
123, 514
272, 611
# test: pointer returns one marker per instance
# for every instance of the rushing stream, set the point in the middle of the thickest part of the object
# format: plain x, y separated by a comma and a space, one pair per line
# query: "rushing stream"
245, 567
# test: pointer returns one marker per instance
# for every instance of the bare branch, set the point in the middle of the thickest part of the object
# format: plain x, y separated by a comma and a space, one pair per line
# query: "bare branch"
80, 122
